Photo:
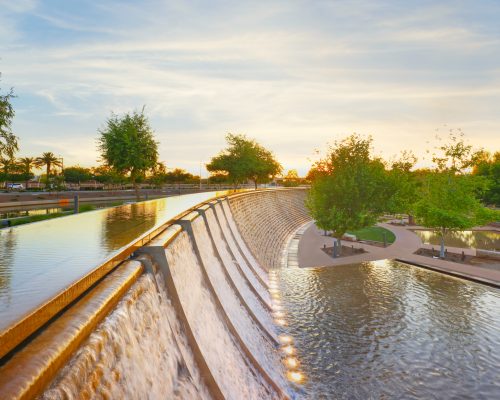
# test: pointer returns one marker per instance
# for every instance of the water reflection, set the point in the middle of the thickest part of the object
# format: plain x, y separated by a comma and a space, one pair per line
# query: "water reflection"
131, 220
389, 330
7, 250
486, 240
38, 261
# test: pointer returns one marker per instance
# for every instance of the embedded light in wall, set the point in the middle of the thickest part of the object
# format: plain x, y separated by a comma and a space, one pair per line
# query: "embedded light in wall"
285, 339
289, 350
291, 362
295, 376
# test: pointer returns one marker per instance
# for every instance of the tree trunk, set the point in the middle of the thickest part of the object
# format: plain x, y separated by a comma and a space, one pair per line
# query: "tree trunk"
441, 251
411, 219
136, 189
339, 245
47, 187
255, 183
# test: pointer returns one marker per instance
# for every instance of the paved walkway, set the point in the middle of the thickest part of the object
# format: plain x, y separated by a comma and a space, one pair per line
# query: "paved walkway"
310, 254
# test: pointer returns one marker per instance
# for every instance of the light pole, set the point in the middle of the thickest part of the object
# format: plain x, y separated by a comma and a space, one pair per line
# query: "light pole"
200, 176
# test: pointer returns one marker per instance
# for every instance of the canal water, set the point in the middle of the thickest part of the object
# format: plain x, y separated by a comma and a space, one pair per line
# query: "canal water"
486, 240
387, 330
40, 260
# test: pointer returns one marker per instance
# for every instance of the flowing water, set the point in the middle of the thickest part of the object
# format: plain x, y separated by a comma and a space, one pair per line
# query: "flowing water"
236, 377
239, 280
255, 339
250, 276
387, 330
486, 240
138, 352
40, 260
254, 264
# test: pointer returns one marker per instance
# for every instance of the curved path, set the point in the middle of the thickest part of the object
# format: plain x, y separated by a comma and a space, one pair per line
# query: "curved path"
310, 254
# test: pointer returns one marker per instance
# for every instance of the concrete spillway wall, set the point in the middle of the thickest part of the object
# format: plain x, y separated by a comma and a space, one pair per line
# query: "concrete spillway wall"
266, 219
189, 317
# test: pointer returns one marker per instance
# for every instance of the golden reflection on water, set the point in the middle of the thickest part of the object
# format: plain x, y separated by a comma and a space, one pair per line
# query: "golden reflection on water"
486, 240
40, 260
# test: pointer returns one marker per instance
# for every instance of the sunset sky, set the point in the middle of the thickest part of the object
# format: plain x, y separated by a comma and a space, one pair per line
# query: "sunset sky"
292, 74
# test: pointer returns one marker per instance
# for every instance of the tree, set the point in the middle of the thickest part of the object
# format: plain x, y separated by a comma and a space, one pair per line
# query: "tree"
488, 167
8, 141
405, 185
291, 179
353, 191
127, 145
449, 202
106, 175
49, 160
244, 160
450, 195
26, 164
77, 174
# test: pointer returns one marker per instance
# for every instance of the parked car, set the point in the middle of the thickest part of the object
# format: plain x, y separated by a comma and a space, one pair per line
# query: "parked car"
15, 186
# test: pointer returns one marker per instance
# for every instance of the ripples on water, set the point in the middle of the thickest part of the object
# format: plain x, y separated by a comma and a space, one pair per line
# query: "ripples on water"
389, 330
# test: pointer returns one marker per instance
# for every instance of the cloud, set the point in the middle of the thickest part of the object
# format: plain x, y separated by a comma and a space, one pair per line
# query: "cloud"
291, 74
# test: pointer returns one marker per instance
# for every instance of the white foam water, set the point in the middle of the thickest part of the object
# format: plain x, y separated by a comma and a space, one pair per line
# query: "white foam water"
236, 377
137, 352
254, 338
240, 281
248, 254
263, 292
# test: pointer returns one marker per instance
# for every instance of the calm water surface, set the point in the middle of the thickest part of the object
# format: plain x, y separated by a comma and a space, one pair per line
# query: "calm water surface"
39, 260
486, 240
386, 330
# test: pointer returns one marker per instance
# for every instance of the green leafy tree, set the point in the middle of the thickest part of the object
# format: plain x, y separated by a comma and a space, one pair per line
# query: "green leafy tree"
450, 194
405, 185
449, 203
107, 175
244, 160
77, 174
291, 179
8, 141
352, 190
48, 160
158, 175
127, 144
488, 167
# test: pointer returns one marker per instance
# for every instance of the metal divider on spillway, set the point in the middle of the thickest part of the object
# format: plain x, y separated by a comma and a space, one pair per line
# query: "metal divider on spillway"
28, 367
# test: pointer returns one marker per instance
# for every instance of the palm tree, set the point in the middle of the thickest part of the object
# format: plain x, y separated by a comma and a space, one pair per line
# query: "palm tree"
48, 159
26, 164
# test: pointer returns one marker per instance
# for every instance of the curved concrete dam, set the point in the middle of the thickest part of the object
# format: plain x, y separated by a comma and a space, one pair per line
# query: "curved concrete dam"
201, 297
184, 310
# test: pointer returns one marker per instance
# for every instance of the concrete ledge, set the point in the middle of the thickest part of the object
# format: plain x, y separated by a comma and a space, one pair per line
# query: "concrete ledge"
456, 274
26, 374
493, 255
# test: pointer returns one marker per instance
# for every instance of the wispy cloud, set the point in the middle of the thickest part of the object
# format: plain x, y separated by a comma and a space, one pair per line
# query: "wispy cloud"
291, 74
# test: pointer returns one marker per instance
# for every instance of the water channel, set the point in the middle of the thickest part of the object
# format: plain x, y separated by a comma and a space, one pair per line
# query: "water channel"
40, 260
389, 330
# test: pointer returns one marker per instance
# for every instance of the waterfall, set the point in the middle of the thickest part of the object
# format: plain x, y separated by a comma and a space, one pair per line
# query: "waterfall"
236, 377
137, 352
232, 224
258, 286
253, 337
240, 281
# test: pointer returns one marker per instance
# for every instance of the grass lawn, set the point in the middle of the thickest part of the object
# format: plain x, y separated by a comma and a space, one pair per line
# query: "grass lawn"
375, 233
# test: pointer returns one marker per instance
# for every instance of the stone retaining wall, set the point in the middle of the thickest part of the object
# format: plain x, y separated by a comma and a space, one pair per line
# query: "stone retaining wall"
266, 219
